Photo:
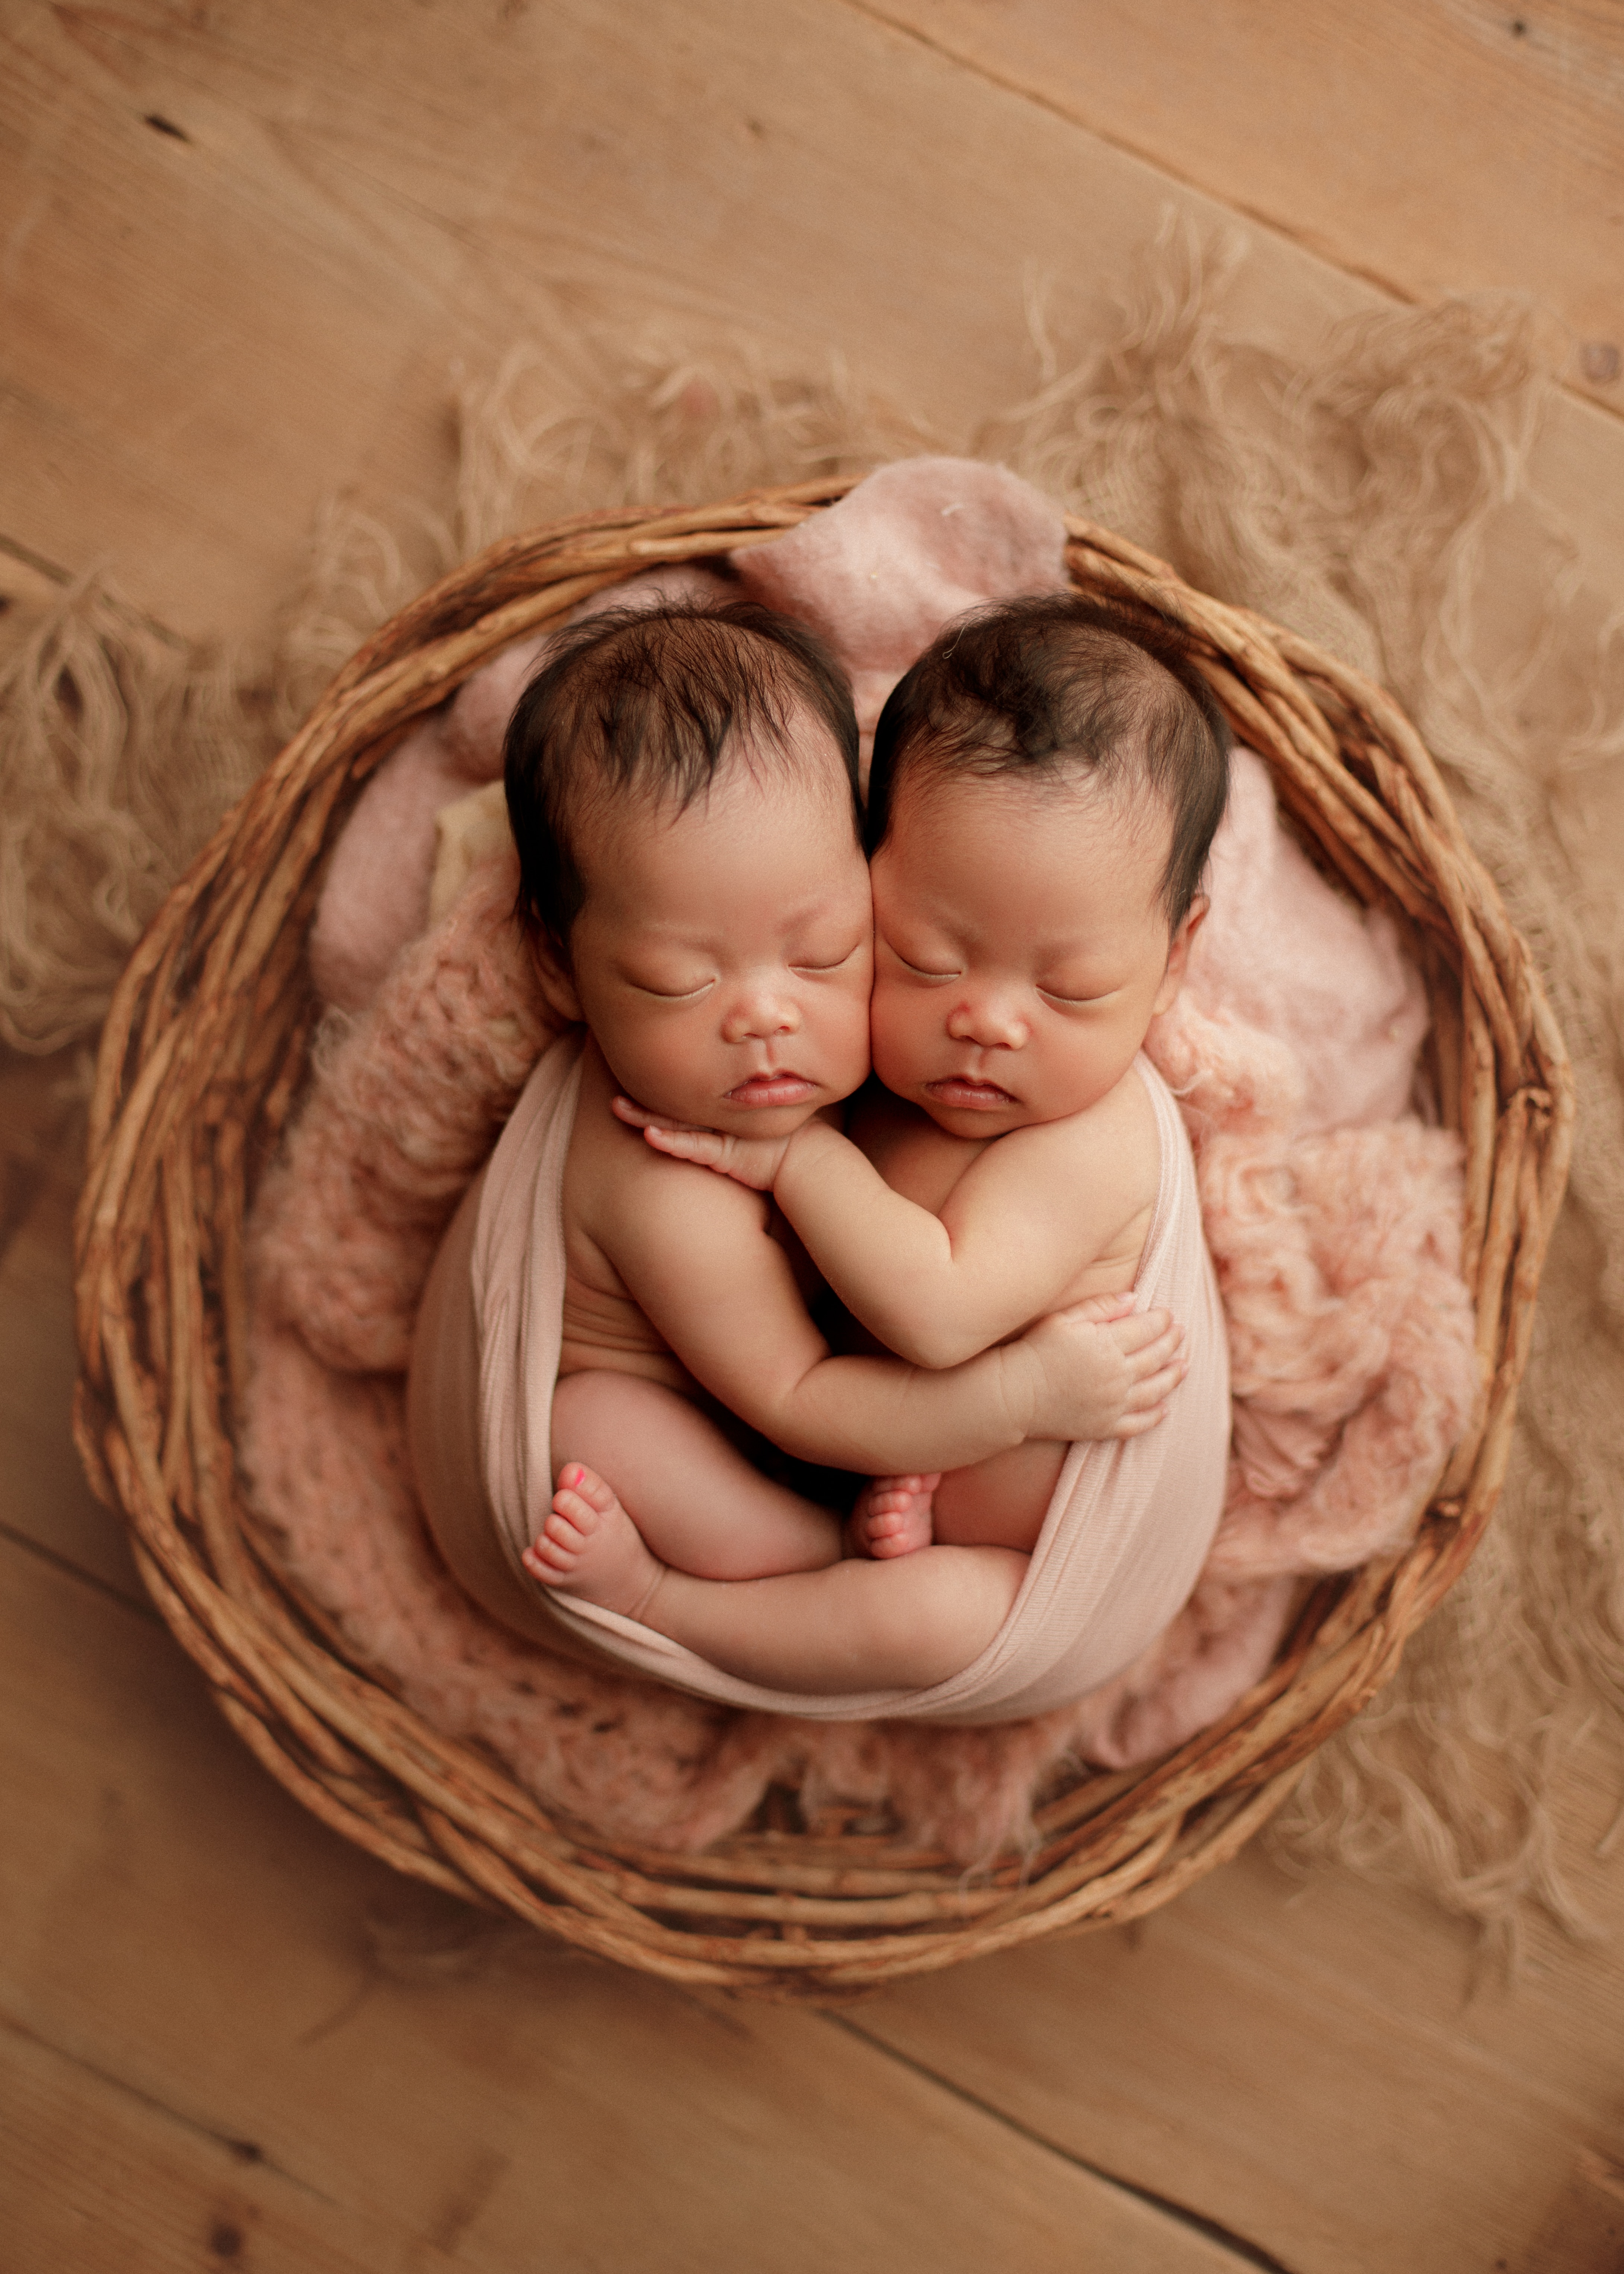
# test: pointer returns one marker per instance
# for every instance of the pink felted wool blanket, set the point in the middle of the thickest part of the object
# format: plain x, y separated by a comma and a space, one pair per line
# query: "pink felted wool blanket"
1332, 1216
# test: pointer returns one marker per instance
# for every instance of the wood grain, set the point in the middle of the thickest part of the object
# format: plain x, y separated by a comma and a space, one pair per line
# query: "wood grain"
1325, 2067
173, 1925
43, 1495
1445, 146
100, 2180
244, 246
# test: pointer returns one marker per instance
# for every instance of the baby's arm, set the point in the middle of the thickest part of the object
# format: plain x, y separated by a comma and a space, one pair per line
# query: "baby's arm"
1030, 1212
695, 1254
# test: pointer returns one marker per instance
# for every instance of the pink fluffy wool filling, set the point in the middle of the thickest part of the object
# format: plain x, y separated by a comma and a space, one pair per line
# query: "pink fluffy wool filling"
1333, 1215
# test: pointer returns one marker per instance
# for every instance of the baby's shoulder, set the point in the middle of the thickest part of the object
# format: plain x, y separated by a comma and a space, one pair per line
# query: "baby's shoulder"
617, 1190
1112, 1144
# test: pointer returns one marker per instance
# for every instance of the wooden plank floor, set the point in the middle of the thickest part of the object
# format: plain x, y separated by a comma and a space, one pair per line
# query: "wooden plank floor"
241, 246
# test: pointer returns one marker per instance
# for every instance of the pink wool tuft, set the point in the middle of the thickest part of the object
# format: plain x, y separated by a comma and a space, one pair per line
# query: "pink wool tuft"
376, 893
1278, 951
403, 1109
908, 549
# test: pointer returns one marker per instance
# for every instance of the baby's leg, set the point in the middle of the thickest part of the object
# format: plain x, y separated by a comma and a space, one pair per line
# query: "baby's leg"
694, 1496
1000, 1502
892, 1515
904, 1625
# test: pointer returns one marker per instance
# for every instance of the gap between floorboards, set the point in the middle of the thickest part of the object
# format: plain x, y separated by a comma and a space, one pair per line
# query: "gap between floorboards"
1245, 2253
1158, 163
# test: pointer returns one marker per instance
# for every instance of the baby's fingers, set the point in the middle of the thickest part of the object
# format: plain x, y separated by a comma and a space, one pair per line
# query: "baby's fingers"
1146, 1338
703, 1146
1157, 1388
1105, 1310
638, 1116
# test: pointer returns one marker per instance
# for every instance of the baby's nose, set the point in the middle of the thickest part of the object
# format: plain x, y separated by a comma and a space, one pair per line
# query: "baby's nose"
991, 1018
759, 1011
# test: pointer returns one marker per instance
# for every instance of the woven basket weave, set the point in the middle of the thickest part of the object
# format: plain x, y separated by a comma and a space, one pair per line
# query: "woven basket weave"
205, 1053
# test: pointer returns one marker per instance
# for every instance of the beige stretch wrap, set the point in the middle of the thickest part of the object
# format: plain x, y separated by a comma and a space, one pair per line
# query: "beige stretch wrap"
1123, 1542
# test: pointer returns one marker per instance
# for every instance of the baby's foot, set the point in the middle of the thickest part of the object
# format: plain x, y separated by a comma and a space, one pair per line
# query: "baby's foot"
589, 1547
892, 1514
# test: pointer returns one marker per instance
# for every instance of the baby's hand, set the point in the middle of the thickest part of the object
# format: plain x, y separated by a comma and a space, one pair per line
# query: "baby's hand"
1106, 1370
752, 1160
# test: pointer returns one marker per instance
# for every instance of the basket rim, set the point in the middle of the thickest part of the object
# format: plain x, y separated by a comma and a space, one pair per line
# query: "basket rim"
204, 1046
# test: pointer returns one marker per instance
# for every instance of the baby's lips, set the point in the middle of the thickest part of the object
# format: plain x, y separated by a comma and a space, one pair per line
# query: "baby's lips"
785, 1087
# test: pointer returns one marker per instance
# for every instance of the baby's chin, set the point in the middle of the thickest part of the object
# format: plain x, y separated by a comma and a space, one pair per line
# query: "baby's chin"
776, 1105
733, 1117
982, 1110
976, 1121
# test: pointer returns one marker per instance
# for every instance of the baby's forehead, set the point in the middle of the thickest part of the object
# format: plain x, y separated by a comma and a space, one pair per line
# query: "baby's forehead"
970, 793
660, 820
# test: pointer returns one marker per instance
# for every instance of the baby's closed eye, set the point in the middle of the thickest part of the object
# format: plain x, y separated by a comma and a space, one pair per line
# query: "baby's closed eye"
1071, 998
822, 961
670, 986
921, 963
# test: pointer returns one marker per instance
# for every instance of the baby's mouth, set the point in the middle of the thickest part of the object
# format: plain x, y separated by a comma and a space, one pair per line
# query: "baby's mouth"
957, 1090
763, 1090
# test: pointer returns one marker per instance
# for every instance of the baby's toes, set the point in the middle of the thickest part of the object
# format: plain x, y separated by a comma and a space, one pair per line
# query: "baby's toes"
567, 1525
587, 1488
544, 1556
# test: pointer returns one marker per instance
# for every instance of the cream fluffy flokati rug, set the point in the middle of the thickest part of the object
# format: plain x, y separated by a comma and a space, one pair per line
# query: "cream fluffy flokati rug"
1352, 499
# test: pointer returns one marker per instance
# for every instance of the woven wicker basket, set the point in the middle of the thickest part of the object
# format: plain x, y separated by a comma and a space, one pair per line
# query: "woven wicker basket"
203, 1058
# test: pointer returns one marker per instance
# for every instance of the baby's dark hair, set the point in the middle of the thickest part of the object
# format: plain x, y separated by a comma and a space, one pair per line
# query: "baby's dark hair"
647, 701
1057, 685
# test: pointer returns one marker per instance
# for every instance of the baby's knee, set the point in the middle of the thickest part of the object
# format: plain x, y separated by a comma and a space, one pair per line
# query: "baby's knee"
934, 1612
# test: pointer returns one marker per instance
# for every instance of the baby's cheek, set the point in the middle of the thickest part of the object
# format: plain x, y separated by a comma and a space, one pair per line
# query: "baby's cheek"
664, 1066
846, 1041
899, 1029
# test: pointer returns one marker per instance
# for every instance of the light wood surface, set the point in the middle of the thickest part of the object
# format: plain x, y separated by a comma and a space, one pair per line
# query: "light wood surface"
1431, 149
228, 2040
210, 330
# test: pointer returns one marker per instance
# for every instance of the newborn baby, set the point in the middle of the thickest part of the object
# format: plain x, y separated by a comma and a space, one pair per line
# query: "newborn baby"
682, 785
1044, 795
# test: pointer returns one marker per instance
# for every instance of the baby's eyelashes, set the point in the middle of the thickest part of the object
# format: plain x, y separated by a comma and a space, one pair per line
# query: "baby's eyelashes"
671, 994
820, 966
1074, 1002
925, 971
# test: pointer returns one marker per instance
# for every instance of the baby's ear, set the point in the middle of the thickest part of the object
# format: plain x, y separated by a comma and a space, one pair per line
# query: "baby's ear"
1178, 954
558, 982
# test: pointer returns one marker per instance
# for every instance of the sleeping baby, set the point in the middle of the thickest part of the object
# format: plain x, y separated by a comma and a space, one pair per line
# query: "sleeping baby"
682, 783
1044, 794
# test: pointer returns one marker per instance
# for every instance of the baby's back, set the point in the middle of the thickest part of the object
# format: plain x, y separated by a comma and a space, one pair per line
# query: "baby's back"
605, 1329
